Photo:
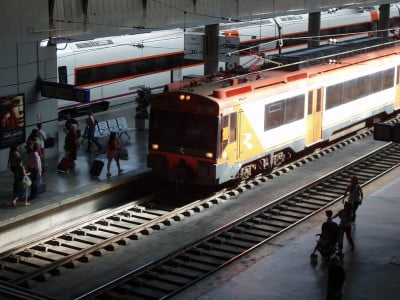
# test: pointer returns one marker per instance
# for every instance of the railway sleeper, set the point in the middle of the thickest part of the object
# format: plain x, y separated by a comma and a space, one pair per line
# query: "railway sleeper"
290, 214
43, 277
57, 271
211, 261
73, 264
248, 237
98, 252
232, 247
155, 286
296, 211
85, 258
112, 247
197, 266
184, 272
220, 252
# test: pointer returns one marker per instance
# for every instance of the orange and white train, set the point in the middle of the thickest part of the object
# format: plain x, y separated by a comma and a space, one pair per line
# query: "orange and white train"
114, 68
212, 133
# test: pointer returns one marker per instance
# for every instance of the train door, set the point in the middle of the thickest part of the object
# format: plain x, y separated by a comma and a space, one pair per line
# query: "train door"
397, 100
314, 116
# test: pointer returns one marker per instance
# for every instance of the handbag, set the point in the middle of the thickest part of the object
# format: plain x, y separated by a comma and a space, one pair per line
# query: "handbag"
123, 153
27, 180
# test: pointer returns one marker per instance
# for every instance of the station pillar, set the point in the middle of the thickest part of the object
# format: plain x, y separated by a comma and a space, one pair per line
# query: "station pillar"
314, 29
211, 48
384, 16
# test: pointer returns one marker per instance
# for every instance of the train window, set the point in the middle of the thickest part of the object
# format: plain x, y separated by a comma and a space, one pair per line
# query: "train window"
319, 100
62, 75
376, 82
225, 121
294, 109
334, 95
233, 126
350, 90
274, 115
398, 75
131, 68
310, 103
363, 86
388, 79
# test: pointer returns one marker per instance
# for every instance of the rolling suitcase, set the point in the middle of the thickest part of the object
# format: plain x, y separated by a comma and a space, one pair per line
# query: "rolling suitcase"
97, 167
65, 164
41, 186
383, 132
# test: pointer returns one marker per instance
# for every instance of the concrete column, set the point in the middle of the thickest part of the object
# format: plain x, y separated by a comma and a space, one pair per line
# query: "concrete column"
211, 49
314, 28
384, 14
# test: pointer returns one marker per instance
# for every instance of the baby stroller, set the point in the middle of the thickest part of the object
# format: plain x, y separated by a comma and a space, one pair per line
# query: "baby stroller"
326, 248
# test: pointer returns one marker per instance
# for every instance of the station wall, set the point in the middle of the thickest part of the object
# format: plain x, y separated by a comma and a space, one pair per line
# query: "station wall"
22, 63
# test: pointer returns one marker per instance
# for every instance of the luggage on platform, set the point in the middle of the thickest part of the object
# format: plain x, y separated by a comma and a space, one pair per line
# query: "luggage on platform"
383, 132
41, 186
65, 164
123, 153
97, 167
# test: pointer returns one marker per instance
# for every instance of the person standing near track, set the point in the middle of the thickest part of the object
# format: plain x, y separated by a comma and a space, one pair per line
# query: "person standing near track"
344, 226
355, 195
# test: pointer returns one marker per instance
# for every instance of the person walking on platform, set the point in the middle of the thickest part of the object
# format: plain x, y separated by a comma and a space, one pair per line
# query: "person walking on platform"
34, 164
344, 226
21, 186
33, 138
72, 143
91, 123
336, 279
112, 150
355, 195
13, 161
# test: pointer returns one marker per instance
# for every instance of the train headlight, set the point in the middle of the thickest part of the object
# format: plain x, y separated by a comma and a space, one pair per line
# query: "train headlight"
154, 146
209, 155
181, 97
187, 97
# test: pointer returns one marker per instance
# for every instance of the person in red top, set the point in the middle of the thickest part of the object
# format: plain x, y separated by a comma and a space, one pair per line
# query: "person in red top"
72, 143
112, 151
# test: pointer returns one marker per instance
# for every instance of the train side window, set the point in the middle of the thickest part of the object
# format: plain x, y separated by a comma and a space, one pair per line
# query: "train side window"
398, 75
233, 126
225, 128
334, 95
376, 82
363, 86
310, 103
319, 100
62, 75
388, 79
294, 109
274, 115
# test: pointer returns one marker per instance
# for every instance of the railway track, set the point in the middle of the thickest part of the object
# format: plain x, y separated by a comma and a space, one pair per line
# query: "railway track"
42, 259
173, 273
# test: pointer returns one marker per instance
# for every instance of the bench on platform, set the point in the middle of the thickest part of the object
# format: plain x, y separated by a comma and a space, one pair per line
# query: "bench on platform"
118, 125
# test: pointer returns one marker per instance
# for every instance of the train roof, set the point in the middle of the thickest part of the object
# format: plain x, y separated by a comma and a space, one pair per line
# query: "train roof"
234, 89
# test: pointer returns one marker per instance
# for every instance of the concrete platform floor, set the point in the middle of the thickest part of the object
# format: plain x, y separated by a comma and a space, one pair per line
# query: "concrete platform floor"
63, 186
372, 270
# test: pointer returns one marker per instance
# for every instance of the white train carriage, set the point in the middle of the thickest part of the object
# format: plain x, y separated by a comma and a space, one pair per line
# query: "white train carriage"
274, 114
114, 68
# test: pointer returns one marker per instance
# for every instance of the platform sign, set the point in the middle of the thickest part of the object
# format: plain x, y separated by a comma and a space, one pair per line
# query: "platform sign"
64, 91
227, 49
12, 117
194, 46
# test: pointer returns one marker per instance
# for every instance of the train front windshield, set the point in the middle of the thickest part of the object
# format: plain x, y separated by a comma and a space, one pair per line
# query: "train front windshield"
183, 133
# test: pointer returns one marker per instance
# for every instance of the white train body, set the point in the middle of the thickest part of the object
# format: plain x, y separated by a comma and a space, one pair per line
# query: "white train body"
114, 68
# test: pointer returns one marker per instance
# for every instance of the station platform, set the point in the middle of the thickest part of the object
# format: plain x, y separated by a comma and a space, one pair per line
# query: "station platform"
282, 270
63, 189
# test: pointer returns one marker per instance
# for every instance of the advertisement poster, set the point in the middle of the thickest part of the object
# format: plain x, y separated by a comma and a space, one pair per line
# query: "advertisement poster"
12, 116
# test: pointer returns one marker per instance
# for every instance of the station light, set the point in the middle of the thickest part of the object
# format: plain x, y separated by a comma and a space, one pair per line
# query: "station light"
209, 155
154, 146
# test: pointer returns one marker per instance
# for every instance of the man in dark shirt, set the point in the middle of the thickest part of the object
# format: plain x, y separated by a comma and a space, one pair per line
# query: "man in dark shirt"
336, 279
330, 230
70, 122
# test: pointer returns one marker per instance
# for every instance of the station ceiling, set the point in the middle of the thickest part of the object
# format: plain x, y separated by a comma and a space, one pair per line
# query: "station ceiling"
92, 18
